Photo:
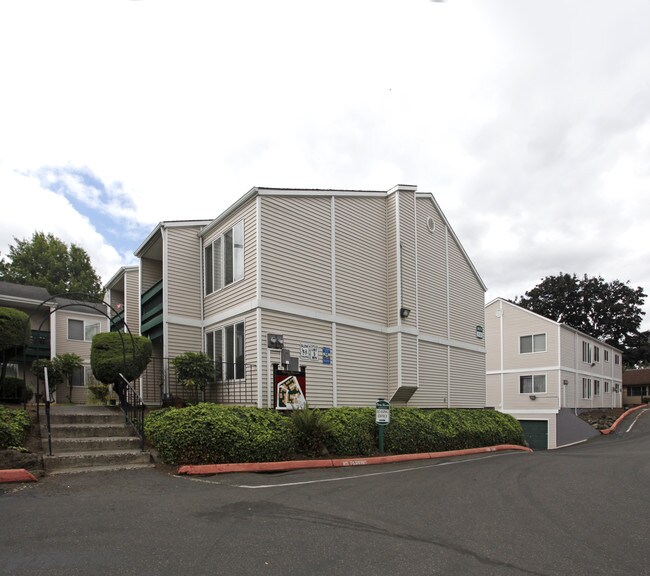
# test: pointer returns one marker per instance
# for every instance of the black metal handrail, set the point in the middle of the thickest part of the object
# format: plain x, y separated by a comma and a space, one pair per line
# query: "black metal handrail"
132, 406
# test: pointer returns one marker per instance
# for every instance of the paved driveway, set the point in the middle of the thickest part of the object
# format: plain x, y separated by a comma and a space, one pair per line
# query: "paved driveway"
579, 510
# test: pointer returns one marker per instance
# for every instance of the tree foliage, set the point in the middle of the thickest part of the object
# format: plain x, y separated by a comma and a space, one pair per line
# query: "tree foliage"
115, 353
65, 365
48, 262
610, 311
14, 335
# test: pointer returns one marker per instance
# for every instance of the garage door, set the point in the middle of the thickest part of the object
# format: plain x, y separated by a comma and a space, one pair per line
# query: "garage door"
536, 433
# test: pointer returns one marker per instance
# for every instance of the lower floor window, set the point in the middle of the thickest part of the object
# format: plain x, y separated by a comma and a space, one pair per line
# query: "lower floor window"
606, 387
532, 384
596, 387
586, 388
225, 346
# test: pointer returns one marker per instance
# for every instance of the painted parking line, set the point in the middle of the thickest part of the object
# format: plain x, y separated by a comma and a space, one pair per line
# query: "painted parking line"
345, 478
634, 422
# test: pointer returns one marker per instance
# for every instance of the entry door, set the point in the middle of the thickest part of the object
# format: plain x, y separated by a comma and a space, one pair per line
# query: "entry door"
536, 433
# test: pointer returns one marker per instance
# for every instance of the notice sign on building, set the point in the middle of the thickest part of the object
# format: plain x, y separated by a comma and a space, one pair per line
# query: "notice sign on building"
309, 352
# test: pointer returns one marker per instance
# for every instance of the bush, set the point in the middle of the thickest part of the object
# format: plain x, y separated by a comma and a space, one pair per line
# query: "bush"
14, 390
211, 433
14, 425
113, 353
352, 431
312, 429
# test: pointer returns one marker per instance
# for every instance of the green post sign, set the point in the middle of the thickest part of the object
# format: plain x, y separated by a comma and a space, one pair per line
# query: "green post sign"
382, 419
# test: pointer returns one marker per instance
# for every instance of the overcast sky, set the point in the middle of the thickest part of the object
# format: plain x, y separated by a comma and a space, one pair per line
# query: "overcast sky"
528, 120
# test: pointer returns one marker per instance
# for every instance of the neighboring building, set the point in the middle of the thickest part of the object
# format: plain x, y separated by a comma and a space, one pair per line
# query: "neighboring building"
538, 369
371, 290
636, 386
58, 326
123, 298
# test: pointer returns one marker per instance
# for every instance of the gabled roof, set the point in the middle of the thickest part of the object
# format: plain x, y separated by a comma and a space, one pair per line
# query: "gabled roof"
34, 294
503, 300
168, 224
636, 377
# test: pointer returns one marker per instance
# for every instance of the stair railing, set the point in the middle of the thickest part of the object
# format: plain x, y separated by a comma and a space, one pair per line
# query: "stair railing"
132, 406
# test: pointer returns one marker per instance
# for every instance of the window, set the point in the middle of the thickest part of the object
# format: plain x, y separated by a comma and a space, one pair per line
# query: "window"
226, 348
532, 384
606, 387
596, 354
616, 359
606, 355
596, 387
533, 343
11, 370
586, 352
224, 259
82, 330
79, 376
586, 388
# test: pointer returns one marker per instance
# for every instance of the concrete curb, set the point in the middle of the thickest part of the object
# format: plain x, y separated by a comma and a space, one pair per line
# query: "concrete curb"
209, 469
620, 419
16, 475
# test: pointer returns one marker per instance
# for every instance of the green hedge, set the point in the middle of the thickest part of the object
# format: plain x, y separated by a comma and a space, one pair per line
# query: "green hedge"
14, 425
412, 430
14, 390
211, 433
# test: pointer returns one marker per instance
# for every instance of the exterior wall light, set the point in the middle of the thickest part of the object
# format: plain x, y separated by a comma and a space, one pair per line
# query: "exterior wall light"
404, 312
533, 397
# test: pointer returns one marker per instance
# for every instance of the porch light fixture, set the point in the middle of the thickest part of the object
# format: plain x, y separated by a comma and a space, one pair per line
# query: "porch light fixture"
404, 312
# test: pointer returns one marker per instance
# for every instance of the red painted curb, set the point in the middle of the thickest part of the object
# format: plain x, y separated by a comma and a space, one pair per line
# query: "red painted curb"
16, 475
206, 469
611, 429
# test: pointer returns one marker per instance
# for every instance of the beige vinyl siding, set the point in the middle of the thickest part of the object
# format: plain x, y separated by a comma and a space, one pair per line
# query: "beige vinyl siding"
467, 371
409, 360
296, 250
392, 251
519, 322
151, 272
65, 345
568, 391
568, 348
132, 301
467, 299
408, 255
181, 339
514, 400
432, 274
492, 338
361, 258
493, 391
183, 273
432, 390
361, 366
393, 363
297, 330
245, 289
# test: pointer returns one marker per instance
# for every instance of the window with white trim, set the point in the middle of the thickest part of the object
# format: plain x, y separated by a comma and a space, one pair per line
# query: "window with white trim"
596, 354
606, 355
532, 384
532, 343
11, 370
225, 346
617, 359
82, 329
223, 259
586, 352
596, 387
586, 388
606, 387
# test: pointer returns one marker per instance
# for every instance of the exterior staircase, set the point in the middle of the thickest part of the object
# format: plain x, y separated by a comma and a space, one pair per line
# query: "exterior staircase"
90, 438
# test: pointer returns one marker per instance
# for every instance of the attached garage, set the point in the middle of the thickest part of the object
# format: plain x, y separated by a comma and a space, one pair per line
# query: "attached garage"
536, 433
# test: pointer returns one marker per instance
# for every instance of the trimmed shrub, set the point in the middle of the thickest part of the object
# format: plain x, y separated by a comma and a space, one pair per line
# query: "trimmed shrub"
410, 431
352, 431
14, 425
211, 433
311, 430
113, 353
14, 390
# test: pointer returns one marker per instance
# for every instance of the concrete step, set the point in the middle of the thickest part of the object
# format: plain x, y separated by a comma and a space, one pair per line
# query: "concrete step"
88, 444
109, 417
96, 458
100, 468
85, 430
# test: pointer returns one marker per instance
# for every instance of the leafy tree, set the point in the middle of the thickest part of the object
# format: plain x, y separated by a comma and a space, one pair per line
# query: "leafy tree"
610, 311
65, 365
114, 353
194, 370
54, 377
48, 262
14, 335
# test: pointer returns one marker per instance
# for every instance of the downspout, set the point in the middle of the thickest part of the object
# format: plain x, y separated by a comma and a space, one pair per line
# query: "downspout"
560, 386
399, 292
333, 307
258, 295
448, 318
500, 316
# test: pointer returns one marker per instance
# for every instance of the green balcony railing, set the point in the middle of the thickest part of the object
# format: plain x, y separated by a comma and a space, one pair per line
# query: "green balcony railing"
151, 310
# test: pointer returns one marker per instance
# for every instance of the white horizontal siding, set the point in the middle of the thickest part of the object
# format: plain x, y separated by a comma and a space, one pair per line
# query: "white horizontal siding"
408, 256
181, 339
467, 373
183, 273
432, 391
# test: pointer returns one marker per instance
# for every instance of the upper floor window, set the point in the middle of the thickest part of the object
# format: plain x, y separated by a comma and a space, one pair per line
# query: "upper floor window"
82, 329
223, 259
617, 359
586, 352
596, 354
606, 355
532, 384
532, 343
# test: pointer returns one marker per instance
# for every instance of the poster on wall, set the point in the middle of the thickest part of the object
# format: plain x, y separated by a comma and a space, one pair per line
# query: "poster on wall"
289, 394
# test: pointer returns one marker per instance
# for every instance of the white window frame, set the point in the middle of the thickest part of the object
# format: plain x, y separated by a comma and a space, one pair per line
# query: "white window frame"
596, 387
233, 347
216, 276
87, 371
606, 355
533, 348
596, 354
617, 359
586, 388
86, 325
606, 387
586, 352
535, 380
